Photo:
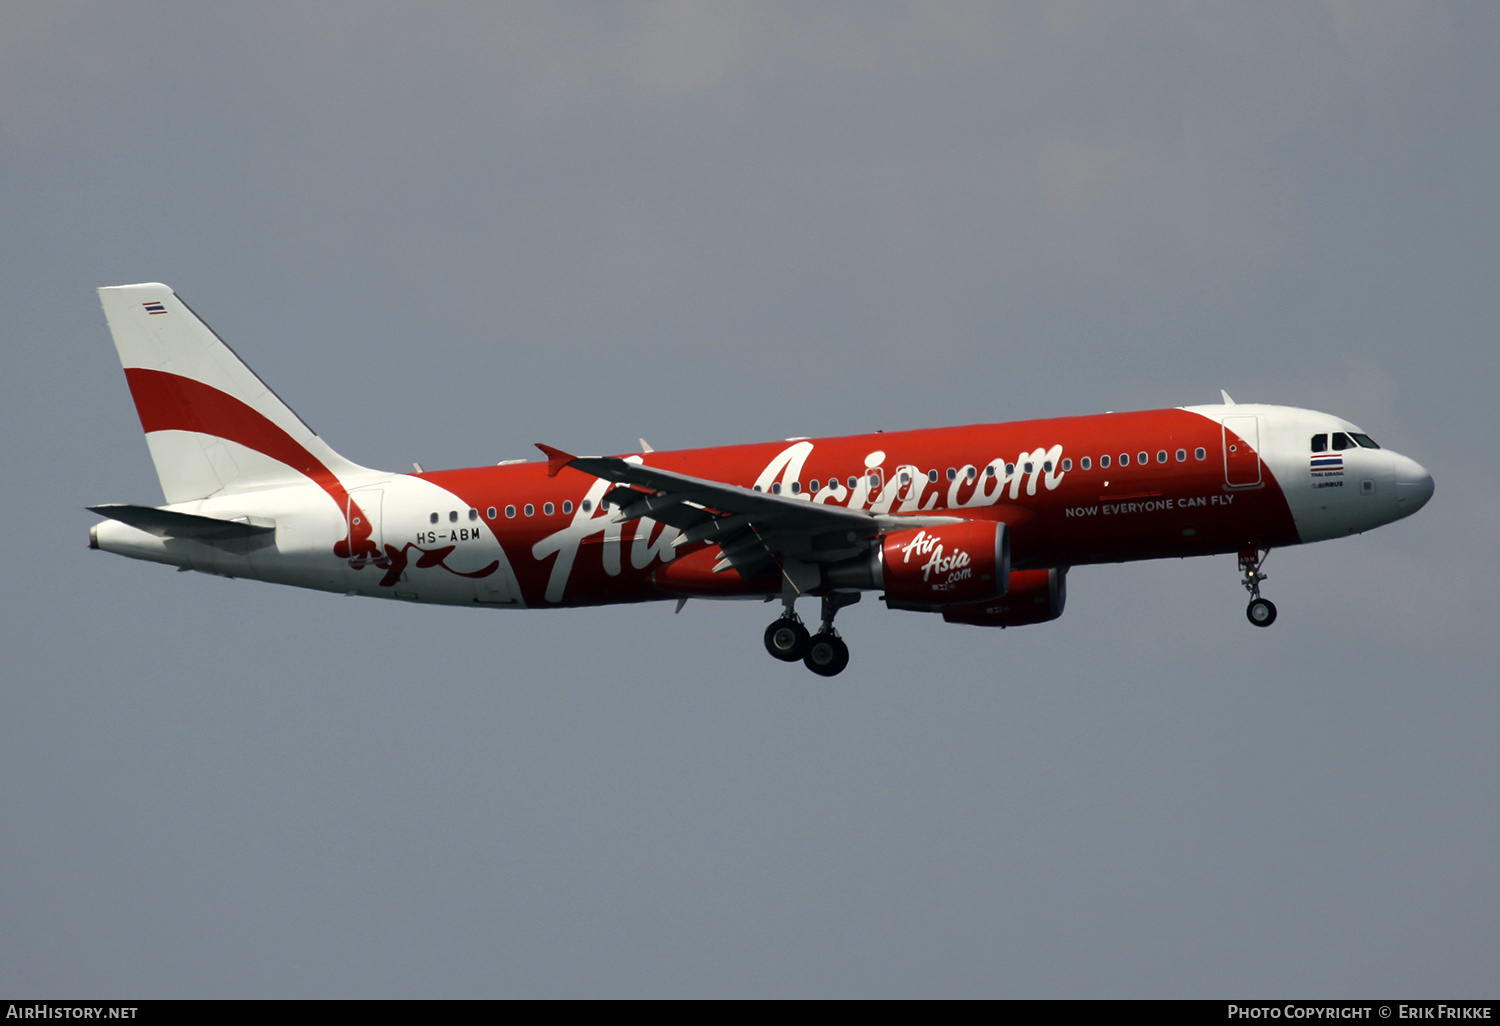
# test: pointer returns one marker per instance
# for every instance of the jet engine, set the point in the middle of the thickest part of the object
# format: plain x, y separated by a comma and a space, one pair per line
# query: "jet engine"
1034, 596
930, 567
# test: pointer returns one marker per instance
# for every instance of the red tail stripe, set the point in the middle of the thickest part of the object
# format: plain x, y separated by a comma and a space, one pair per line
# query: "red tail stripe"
170, 402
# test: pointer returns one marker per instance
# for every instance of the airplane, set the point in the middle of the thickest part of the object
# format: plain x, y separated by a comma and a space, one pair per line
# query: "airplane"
979, 524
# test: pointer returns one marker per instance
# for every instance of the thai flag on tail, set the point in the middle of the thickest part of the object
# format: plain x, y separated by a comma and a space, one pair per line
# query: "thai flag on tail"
154, 308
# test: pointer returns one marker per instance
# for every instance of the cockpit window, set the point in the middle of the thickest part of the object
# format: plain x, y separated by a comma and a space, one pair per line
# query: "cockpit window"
1341, 442
1320, 443
1365, 441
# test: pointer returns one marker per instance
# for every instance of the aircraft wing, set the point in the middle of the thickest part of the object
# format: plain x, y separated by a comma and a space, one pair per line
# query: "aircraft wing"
752, 529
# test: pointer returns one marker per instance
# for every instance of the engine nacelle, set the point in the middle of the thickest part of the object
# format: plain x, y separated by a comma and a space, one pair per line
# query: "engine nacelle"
1034, 596
951, 563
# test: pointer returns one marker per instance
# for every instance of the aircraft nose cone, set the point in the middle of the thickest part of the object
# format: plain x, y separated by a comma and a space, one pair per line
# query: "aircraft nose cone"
1413, 486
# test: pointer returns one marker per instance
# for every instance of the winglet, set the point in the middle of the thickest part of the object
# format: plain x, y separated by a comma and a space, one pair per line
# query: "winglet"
556, 458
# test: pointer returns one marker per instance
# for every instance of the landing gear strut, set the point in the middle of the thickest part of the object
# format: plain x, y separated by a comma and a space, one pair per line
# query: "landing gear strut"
827, 655
823, 653
1261, 612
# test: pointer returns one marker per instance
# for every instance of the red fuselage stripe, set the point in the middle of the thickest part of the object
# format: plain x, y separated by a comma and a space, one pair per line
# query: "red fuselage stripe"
1092, 516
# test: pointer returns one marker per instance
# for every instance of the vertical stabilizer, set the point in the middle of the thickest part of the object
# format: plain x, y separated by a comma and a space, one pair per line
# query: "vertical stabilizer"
212, 426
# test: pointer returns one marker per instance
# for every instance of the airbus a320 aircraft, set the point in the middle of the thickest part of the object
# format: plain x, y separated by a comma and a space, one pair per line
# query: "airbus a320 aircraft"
979, 524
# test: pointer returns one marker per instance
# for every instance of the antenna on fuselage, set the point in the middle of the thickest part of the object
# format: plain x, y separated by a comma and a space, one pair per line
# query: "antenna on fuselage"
1227, 401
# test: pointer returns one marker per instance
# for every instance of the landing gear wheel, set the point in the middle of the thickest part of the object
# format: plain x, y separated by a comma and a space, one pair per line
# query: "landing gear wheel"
827, 655
1261, 612
786, 639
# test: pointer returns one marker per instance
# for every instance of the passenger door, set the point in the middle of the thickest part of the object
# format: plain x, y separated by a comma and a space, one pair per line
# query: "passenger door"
1241, 452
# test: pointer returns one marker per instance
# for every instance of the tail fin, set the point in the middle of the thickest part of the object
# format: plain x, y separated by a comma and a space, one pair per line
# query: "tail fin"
212, 426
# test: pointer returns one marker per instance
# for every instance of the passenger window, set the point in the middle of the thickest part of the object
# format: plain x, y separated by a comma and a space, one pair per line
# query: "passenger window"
932, 476
453, 516
473, 514
548, 508
776, 488
510, 512
490, 513
1010, 469
1365, 441
952, 474
812, 485
970, 473
529, 510
1028, 468
1181, 455
989, 471
1200, 453
1083, 464
432, 519
1142, 458
1067, 464
568, 506
1103, 463
1161, 455
588, 504
1320, 442
874, 479
796, 487
853, 483
1124, 459
1047, 467
1341, 442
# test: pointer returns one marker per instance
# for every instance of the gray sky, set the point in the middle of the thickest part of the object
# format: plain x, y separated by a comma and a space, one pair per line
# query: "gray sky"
443, 232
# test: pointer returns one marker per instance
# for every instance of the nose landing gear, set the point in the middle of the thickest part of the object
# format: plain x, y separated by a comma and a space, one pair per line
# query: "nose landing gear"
1261, 612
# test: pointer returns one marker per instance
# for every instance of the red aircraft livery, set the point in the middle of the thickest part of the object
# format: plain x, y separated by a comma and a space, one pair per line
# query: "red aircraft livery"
977, 523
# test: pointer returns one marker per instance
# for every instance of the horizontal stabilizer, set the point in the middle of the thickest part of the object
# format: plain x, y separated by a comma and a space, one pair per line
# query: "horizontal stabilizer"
167, 524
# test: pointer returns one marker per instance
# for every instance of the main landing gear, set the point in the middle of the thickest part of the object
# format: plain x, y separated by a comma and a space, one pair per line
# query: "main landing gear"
1261, 612
824, 653
787, 639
